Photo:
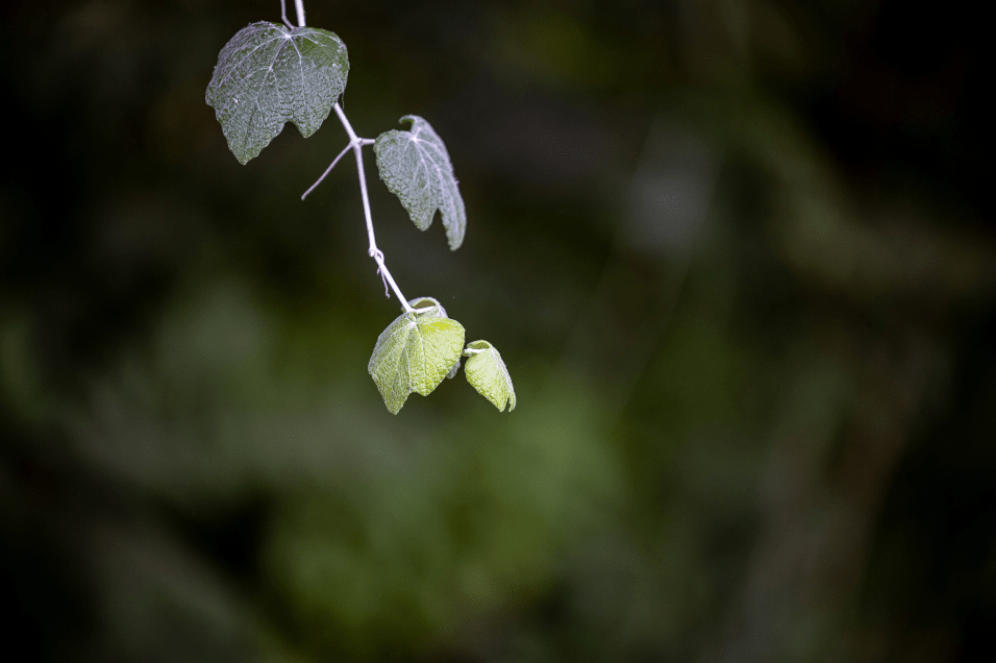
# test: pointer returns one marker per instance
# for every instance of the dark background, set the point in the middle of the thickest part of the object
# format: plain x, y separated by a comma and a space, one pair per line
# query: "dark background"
737, 254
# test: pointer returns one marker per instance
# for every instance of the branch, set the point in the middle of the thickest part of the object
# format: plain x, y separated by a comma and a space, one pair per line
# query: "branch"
283, 14
356, 144
327, 170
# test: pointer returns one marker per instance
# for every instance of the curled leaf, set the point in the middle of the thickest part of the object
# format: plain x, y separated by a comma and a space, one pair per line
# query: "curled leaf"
486, 372
413, 355
421, 304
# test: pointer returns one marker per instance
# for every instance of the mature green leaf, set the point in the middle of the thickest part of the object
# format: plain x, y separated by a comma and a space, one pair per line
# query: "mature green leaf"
486, 372
414, 354
416, 168
431, 306
269, 74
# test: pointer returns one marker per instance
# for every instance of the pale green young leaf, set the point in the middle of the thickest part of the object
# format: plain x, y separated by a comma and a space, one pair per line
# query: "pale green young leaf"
486, 372
427, 306
431, 306
269, 74
413, 355
416, 168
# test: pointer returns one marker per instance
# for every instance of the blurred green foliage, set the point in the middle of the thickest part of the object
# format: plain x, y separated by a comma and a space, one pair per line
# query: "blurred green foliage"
737, 254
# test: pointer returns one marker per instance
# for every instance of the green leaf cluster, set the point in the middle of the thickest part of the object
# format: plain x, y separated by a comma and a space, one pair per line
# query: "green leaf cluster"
270, 74
422, 347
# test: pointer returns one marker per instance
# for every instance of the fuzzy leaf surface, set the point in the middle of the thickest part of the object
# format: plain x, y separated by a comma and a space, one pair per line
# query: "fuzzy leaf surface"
416, 168
413, 355
486, 372
269, 74
434, 308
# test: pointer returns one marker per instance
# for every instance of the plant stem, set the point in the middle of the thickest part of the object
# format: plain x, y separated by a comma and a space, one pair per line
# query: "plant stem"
327, 171
283, 13
357, 143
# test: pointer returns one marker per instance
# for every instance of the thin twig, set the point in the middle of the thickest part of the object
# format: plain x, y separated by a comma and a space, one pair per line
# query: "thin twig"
327, 171
283, 14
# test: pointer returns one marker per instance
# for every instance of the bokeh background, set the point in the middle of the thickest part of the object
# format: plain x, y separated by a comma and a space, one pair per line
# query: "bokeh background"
737, 254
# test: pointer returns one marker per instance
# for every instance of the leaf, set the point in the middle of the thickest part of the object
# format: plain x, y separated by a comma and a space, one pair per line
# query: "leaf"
413, 355
422, 303
486, 372
269, 74
416, 168
431, 306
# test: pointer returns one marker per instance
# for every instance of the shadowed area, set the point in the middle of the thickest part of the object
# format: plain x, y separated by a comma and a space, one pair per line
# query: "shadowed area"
738, 258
